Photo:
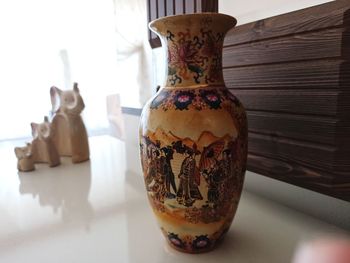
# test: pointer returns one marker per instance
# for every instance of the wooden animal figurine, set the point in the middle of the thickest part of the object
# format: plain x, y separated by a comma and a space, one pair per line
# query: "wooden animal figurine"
25, 158
43, 148
70, 136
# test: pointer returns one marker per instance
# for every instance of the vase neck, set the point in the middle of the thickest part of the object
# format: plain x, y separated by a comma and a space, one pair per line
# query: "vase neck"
194, 48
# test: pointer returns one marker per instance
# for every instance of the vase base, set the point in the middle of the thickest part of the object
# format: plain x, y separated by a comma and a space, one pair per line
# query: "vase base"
191, 250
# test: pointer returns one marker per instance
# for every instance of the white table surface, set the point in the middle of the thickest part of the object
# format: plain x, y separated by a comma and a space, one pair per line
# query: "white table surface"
97, 212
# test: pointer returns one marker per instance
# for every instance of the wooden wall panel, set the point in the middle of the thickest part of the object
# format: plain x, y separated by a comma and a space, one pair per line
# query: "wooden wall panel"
303, 127
294, 151
314, 74
314, 45
319, 101
300, 175
292, 73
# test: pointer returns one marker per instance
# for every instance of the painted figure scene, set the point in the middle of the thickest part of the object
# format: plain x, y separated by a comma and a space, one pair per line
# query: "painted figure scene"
199, 181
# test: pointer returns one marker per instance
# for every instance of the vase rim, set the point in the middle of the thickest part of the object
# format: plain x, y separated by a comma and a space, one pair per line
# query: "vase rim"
230, 19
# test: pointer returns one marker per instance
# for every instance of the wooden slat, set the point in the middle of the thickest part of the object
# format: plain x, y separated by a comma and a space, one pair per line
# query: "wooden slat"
314, 45
210, 5
309, 19
161, 8
315, 102
179, 7
189, 4
284, 169
303, 153
305, 74
299, 127
198, 6
343, 106
342, 160
170, 7
149, 16
155, 42
153, 14
303, 176
307, 154
343, 156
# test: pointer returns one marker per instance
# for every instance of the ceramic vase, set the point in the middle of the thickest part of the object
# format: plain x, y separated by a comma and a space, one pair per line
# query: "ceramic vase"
193, 135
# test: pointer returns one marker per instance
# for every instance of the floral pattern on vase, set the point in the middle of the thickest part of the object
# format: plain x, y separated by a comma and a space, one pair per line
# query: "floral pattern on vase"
194, 56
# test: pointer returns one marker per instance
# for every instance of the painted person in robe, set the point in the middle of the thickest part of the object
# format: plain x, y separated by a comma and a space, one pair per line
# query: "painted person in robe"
214, 178
151, 167
159, 188
188, 191
155, 180
168, 171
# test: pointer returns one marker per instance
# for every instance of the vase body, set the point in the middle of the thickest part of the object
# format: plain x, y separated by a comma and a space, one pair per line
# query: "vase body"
193, 135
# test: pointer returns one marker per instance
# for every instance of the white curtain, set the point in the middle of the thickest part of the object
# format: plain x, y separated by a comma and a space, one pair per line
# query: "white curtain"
58, 42
134, 52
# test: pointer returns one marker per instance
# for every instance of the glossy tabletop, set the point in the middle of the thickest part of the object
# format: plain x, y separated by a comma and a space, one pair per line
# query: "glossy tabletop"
97, 212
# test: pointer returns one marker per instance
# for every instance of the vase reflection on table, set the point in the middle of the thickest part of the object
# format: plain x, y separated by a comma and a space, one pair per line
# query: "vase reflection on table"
193, 135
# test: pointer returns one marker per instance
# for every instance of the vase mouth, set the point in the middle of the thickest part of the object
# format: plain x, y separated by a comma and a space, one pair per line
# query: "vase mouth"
158, 25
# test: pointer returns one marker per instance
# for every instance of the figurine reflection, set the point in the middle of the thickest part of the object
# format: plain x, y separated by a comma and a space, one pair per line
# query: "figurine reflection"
66, 192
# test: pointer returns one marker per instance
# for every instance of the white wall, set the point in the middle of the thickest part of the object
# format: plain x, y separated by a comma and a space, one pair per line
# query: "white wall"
327, 208
248, 11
